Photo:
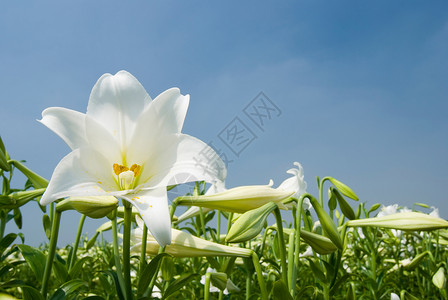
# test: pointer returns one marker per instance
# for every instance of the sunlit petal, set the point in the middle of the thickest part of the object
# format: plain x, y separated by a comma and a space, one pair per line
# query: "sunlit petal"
81, 173
181, 153
116, 102
66, 123
153, 207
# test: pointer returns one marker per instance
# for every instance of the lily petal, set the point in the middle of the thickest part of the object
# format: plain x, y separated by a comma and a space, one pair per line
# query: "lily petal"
164, 116
116, 101
153, 207
81, 173
181, 153
68, 124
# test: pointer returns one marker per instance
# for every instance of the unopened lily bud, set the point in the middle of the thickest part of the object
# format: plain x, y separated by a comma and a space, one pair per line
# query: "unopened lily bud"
239, 199
184, 244
219, 280
344, 189
346, 209
250, 224
416, 261
327, 224
402, 221
37, 180
319, 243
94, 207
439, 278
25, 196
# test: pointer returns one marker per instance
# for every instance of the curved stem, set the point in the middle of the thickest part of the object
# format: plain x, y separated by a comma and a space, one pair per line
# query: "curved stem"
261, 283
75, 246
127, 250
51, 252
278, 218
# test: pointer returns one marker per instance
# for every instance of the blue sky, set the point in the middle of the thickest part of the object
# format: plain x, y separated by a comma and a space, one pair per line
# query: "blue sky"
361, 85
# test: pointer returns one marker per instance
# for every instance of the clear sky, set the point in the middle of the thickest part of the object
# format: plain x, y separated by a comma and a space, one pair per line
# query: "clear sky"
360, 87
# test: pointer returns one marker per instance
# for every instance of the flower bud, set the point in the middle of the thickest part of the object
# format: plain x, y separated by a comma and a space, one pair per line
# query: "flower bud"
184, 244
239, 199
94, 207
219, 280
327, 224
319, 243
250, 224
343, 188
402, 221
439, 278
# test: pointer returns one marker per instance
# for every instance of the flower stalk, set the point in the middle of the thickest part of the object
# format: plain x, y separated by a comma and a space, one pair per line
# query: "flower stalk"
51, 252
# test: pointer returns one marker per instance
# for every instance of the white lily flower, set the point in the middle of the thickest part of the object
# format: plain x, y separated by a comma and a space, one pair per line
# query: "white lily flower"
129, 146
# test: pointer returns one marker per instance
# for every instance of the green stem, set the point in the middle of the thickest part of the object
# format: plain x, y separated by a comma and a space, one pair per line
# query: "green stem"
201, 216
298, 225
75, 247
3, 224
261, 283
143, 250
248, 284
281, 240
116, 251
218, 226
207, 286
127, 250
51, 253
291, 268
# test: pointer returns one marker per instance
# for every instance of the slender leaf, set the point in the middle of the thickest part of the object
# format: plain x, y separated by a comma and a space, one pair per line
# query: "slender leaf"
6, 241
281, 291
30, 293
35, 259
149, 272
178, 284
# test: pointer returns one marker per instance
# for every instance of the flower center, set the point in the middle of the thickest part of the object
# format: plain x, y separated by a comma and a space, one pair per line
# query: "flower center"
126, 176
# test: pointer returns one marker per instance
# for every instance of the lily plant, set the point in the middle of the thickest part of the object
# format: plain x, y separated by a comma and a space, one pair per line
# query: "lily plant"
129, 146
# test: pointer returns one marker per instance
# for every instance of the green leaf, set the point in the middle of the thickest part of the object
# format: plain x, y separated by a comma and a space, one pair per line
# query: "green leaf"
280, 291
46, 222
6, 242
72, 285
60, 271
343, 189
149, 272
37, 180
30, 293
74, 271
178, 284
167, 268
35, 259
317, 271
114, 276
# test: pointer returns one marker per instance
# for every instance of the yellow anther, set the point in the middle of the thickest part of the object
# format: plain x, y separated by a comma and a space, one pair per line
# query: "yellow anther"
118, 169
136, 169
126, 176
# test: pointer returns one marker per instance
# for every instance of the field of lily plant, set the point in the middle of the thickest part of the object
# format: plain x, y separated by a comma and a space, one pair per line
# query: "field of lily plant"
127, 152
